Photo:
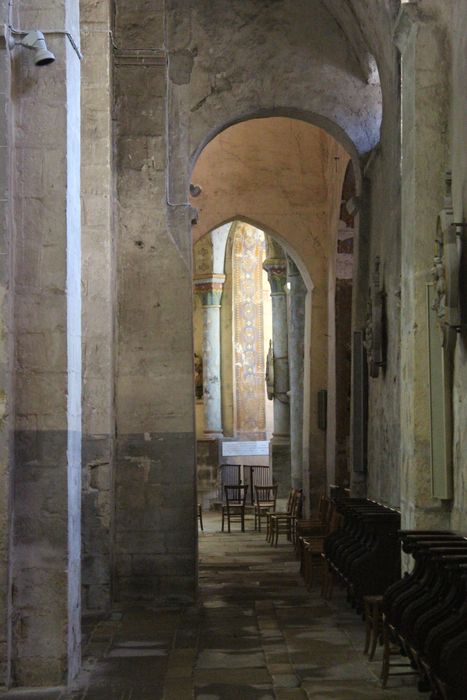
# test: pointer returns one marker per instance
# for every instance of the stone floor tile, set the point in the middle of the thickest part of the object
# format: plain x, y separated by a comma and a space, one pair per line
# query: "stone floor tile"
290, 694
33, 694
285, 680
210, 659
248, 676
178, 689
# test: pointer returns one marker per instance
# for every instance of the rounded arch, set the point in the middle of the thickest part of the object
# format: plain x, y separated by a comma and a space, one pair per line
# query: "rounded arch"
316, 120
282, 240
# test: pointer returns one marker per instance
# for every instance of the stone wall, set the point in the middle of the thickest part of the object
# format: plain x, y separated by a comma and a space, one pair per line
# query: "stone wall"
378, 234
458, 162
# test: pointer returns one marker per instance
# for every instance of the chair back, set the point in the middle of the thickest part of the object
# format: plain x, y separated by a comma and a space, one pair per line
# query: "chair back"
235, 494
266, 495
290, 501
296, 507
323, 509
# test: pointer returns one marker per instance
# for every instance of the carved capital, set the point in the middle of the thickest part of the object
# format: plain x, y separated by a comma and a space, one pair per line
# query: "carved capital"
209, 289
277, 274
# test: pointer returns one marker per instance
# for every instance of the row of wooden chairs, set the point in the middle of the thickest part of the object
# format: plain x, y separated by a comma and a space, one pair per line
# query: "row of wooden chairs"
310, 536
364, 552
233, 508
425, 613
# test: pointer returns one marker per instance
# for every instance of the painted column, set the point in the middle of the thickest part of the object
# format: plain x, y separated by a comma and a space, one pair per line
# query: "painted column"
296, 294
210, 292
276, 267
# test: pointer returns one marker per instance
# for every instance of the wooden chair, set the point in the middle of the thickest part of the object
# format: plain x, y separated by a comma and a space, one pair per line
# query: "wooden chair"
269, 514
234, 506
284, 523
314, 527
373, 623
265, 502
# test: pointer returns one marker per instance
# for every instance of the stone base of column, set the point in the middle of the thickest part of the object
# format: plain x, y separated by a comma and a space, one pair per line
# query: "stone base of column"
207, 435
280, 461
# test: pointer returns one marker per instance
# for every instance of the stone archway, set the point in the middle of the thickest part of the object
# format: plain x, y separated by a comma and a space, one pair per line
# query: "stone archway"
285, 177
170, 104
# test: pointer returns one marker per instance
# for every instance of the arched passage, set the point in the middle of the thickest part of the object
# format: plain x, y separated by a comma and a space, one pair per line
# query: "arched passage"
216, 73
285, 177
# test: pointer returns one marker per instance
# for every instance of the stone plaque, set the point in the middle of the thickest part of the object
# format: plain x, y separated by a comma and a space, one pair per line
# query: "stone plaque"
247, 448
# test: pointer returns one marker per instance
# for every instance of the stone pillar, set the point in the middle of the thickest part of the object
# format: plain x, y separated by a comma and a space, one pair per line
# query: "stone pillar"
425, 101
276, 267
155, 466
296, 336
98, 305
210, 292
6, 355
46, 575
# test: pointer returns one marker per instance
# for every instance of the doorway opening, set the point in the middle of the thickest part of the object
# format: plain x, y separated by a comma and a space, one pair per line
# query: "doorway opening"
267, 259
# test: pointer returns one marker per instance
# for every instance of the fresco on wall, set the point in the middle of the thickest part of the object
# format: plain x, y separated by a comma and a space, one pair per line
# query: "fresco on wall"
249, 251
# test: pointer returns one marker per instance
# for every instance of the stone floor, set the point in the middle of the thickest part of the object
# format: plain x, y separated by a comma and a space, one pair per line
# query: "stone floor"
257, 634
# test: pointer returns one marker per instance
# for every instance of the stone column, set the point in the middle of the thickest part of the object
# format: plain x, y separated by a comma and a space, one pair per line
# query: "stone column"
210, 292
276, 267
155, 529
98, 305
46, 574
425, 101
296, 335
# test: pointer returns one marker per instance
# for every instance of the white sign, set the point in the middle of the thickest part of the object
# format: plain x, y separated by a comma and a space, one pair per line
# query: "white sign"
257, 448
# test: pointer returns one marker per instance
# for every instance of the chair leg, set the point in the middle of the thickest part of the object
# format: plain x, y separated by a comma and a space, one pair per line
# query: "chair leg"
200, 515
324, 577
223, 519
375, 631
243, 520
367, 628
386, 655
276, 535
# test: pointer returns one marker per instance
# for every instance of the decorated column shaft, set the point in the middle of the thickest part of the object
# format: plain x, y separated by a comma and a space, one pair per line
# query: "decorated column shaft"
209, 290
296, 335
276, 267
